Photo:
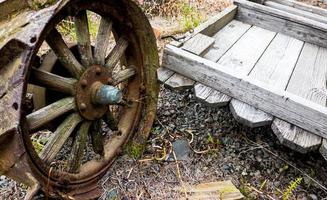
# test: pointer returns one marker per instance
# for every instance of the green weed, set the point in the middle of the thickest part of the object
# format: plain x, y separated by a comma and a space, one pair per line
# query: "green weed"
292, 186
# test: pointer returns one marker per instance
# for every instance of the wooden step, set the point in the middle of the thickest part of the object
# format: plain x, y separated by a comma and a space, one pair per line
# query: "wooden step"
249, 115
209, 96
295, 138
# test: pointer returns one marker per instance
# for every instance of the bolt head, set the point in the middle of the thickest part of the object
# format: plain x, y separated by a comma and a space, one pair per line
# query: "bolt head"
98, 70
142, 88
110, 81
84, 83
83, 106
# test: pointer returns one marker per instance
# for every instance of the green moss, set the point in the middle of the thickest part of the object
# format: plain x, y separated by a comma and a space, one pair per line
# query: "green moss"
134, 150
40, 4
190, 17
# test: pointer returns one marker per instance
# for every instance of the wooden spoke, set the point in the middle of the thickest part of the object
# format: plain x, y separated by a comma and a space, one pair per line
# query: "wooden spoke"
110, 121
102, 41
50, 112
83, 38
66, 57
97, 137
59, 137
77, 152
123, 75
117, 52
52, 81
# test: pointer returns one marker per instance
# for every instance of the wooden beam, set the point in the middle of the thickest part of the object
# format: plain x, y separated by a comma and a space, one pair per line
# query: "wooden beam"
199, 44
280, 21
303, 6
164, 74
284, 105
179, 82
102, 41
116, 53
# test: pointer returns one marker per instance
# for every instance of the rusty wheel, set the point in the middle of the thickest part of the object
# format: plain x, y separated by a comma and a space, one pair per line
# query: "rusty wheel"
87, 90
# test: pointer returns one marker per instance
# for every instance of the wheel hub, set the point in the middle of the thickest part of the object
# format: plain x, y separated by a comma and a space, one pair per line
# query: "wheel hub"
94, 92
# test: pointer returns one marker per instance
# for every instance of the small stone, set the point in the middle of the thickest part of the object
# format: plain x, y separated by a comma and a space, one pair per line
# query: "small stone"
244, 173
182, 150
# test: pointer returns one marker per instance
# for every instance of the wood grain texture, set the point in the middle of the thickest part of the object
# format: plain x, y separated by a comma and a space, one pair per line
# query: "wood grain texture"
247, 51
217, 99
296, 11
102, 40
295, 138
280, 21
242, 57
179, 82
215, 23
323, 149
164, 74
225, 38
249, 115
201, 92
303, 6
44, 115
117, 52
309, 77
284, 105
59, 137
199, 44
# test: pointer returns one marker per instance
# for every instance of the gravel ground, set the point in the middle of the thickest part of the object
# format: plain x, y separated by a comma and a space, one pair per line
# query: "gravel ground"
251, 158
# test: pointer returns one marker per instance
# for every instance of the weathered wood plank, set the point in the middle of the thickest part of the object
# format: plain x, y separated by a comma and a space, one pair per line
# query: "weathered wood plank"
50, 112
202, 92
249, 115
247, 51
217, 99
179, 82
303, 6
295, 11
215, 23
225, 38
97, 138
53, 81
199, 44
164, 74
83, 38
284, 105
123, 75
58, 139
274, 69
280, 21
102, 40
323, 149
309, 75
66, 57
295, 138
242, 58
117, 52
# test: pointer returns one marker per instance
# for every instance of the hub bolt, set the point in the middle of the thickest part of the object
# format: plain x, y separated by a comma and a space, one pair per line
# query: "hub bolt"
110, 81
84, 83
83, 106
98, 71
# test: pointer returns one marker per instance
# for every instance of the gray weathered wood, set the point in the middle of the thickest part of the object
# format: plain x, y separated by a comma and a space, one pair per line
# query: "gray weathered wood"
102, 40
53, 81
249, 115
78, 148
97, 138
199, 44
309, 74
295, 11
215, 23
65, 56
284, 105
179, 82
83, 38
247, 51
202, 92
217, 99
280, 21
225, 38
59, 137
123, 75
274, 69
242, 58
303, 6
295, 138
164, 74
323, 149
50, 112
117, 52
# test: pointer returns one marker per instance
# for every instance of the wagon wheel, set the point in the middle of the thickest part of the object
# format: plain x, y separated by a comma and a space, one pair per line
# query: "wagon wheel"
94, 89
